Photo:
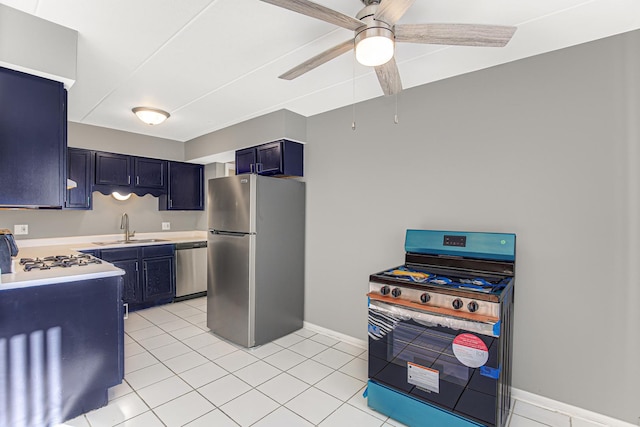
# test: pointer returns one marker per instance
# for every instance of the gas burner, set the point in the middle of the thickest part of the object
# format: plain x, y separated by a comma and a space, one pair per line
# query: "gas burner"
35, 265
63, 261
469, 282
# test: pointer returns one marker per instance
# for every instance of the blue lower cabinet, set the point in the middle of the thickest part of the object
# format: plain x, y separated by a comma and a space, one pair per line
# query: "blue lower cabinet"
63, 348
150, 277
410, 411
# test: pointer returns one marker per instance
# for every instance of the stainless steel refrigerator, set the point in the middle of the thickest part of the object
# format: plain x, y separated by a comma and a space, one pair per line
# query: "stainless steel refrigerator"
255, 270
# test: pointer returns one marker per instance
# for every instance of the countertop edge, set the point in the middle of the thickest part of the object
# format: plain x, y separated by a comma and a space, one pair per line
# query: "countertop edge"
113, 271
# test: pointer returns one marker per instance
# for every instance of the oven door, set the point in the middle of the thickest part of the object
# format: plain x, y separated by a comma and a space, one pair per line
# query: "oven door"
442, 361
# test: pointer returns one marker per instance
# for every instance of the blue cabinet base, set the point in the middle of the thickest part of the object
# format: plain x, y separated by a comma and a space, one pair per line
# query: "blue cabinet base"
61, 349
410, 411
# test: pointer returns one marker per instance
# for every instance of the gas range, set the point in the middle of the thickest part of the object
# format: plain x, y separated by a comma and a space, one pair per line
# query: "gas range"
440, 330
54, 261
447, 281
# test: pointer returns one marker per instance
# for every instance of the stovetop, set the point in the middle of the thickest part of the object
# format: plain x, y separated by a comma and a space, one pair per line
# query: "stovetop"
445, 279
54, 261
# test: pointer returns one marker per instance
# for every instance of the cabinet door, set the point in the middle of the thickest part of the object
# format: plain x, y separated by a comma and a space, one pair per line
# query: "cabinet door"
269, 158
186, 187
149, 173
158, 279
79, 170
132, 293
245, 160
113, 169
126, 259
32, 140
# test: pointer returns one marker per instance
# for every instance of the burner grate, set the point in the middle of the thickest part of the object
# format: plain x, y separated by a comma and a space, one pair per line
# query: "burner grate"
63, 261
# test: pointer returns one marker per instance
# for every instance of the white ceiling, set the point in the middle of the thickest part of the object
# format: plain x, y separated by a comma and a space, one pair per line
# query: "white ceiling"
214, 63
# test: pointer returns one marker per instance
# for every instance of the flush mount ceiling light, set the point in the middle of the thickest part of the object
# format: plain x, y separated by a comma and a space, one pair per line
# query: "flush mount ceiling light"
151, 116
121, 197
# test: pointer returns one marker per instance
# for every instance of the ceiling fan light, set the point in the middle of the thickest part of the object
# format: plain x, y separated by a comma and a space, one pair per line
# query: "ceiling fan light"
151, 116
376, 49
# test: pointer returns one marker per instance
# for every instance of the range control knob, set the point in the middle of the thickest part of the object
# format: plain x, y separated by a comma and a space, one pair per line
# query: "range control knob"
457, 303
425, 298
472, 306
385, 290
396, 292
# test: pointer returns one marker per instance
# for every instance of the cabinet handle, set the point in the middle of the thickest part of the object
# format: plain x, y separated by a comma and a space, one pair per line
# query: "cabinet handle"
129, 180
137, 180
258, 167
251, 168
136, 265
126, 310
170, 203
88, 201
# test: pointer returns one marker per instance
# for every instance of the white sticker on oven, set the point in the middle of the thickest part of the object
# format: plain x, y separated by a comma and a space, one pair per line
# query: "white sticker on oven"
470, 350
425, 378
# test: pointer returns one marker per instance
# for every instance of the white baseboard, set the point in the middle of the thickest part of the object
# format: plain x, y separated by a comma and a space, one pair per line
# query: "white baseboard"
574, 412
337, 335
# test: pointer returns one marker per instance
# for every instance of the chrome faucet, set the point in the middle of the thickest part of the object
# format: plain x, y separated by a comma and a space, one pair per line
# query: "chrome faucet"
124, 225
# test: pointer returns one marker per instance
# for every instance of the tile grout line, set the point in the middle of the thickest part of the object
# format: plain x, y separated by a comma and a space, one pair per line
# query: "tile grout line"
304, 338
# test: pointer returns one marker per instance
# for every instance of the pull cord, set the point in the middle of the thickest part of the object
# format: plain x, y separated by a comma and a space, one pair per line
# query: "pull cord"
395, 117
353, 103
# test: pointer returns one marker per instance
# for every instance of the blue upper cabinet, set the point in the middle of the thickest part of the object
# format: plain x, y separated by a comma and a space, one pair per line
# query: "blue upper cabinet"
245, 160
281, 157
79, 170
149, 173
113, 169
130, 174
185, 189
33, 140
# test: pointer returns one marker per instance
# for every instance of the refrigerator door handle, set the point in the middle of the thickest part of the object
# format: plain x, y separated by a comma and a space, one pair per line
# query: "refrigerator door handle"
230, 233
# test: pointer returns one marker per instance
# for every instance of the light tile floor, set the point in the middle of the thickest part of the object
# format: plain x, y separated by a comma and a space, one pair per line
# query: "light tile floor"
177, 373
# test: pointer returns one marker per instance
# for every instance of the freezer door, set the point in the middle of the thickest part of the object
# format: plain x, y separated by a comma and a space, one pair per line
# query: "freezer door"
231, 203
230, 286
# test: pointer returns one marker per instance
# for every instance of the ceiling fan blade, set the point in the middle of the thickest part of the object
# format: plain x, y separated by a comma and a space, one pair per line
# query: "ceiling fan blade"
317, 11
318, 60
390, 11
455, 34
389, 77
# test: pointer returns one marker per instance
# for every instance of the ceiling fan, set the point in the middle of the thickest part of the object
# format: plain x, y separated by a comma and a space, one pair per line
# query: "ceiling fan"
376, 32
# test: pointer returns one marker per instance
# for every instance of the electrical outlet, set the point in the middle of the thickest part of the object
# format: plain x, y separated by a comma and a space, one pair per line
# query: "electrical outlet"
166, 226
21, 229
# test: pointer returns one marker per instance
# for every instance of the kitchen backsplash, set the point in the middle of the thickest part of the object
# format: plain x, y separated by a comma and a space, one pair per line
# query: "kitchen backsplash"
105, 217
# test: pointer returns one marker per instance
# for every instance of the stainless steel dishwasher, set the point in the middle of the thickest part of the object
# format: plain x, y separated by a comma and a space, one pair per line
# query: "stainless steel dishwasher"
191, 270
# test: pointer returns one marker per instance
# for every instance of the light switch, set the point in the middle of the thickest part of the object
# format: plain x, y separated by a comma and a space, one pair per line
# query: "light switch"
166, 226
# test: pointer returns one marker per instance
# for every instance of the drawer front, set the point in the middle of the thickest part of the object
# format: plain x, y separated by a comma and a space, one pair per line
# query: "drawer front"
157, 251
119, 254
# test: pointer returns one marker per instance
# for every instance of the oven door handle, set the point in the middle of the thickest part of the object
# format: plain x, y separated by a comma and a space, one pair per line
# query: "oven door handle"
484, 325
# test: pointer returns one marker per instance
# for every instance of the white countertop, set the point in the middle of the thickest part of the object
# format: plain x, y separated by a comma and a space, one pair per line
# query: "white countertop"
40, 248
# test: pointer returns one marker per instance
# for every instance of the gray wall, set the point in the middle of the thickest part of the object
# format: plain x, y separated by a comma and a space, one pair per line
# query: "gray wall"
45, 49
546, 147
270, 127
117, 141
144, 217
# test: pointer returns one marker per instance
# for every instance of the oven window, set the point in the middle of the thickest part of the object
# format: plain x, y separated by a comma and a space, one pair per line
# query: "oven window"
427, 347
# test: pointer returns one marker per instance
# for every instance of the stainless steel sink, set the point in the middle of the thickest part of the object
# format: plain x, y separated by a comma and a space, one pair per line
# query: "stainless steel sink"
130, 241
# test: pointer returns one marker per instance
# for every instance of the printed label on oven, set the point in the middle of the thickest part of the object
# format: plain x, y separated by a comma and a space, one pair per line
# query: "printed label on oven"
425, 378
470, 350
